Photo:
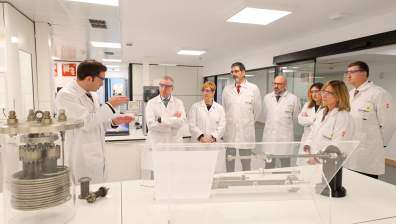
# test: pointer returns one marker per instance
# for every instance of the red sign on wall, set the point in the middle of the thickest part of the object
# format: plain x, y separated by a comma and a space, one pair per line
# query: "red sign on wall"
55, 69
69, 69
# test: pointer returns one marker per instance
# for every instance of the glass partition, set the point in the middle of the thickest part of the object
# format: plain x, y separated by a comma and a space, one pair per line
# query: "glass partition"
244, 182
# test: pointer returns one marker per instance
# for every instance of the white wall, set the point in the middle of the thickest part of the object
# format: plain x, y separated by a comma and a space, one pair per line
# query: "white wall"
262, 56
188, 81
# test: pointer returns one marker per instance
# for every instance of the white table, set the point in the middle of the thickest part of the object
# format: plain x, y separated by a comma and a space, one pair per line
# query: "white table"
368, 201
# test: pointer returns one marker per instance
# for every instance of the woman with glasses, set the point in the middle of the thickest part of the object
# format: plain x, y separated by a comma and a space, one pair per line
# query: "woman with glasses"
310, 109
334, 123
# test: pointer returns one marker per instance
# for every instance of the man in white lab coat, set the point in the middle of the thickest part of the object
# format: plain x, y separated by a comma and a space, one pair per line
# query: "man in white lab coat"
280, 112
373, 112
242, 105
78, 98
165, 116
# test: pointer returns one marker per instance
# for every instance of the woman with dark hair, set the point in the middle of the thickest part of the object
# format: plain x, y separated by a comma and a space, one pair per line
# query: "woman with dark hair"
310, 110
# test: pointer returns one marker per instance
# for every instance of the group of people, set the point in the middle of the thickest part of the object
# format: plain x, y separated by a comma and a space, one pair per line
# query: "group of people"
331, 114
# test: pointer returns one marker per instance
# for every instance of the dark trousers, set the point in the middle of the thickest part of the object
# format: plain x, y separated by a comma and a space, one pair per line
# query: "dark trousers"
230, 164
367, 174
284, 163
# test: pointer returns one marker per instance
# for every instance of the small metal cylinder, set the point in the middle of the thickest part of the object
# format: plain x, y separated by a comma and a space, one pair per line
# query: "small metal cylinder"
84, 187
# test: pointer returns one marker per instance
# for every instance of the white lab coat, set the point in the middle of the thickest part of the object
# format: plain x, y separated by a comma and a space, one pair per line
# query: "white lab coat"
212, 122
242, 110
306, 118
337, 126
86, 144
202, 121
168, 131
279, 118
374, 116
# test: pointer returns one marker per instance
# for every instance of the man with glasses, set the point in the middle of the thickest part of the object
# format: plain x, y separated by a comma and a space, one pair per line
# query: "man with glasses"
280, 112
165, 116
242, 105
373, 113
79, 100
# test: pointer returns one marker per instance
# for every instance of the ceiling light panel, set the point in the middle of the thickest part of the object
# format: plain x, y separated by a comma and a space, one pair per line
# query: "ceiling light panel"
111, 60
98, 2
257, 16
105, 44
191, 52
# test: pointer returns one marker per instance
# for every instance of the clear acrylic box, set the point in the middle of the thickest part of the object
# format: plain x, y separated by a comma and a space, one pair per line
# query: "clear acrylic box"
191, 183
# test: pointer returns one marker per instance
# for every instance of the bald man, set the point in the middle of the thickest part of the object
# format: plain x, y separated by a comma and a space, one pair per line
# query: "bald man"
280, 112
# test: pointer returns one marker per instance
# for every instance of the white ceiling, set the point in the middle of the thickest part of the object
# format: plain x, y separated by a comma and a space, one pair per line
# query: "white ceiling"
71, 29
159, 28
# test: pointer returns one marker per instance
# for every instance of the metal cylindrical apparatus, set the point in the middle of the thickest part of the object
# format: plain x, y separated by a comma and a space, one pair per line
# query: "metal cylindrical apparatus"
37, 181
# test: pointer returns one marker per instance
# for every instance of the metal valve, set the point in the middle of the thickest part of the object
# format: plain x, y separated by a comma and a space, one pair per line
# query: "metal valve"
102, 192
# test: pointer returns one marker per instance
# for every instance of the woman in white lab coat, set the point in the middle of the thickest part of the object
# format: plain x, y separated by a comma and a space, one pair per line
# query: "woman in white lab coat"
207, 121
310, 110
334, 123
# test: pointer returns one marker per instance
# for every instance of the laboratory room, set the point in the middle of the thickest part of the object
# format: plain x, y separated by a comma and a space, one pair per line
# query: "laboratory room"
191, 112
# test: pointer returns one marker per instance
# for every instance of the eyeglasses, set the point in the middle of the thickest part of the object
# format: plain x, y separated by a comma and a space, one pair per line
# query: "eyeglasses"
315, 91
353, 71
165, 86
101, 78
235, 71
277, 84
207, 91
326, 93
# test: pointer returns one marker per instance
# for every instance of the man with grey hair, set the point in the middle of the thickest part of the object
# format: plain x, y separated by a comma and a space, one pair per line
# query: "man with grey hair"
165, 116
280, 113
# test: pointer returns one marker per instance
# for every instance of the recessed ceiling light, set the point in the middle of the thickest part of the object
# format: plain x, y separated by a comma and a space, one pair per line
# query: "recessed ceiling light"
168, 64
14, 39
191, 52
111, 60
98, 2
257, 16
112, 66
105, 44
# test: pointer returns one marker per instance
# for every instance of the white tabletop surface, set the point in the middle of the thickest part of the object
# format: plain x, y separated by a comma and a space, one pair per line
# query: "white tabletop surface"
368, 201
104, 210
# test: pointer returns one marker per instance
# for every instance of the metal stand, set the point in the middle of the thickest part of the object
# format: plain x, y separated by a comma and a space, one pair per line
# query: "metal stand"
332, 159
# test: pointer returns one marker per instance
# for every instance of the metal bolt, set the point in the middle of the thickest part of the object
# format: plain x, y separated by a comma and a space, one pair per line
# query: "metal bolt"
12, 119
31, 116
62, 115
84, 187
47, 117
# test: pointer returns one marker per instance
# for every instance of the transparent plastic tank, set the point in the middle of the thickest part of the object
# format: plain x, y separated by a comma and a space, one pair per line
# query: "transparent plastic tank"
37, 181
